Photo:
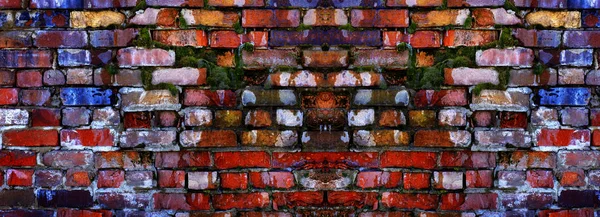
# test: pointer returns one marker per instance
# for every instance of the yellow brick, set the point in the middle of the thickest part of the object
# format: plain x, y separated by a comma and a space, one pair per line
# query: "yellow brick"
555, 19
83, 19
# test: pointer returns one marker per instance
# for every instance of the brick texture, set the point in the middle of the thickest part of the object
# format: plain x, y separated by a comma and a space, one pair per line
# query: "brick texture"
280, 108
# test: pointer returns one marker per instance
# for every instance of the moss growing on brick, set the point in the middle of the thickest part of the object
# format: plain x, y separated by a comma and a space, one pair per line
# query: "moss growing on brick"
147, 82
144, 39
303, 27
468, 22
111, 69
539, 68
503, 77
510, 5
412, 28
140, 5
237, 27
347, 27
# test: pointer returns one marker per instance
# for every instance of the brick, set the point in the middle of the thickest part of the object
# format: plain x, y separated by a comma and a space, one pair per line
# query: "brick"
75, 116
105, 117
256, 97
218, 98
228, 118
11, 4
319, 37
123, 200
45, 18
139, 179
325, 17
17, 197
260, 59
391, 118
299, 198
178, 201
470, 76
416, 180
228, 160
10, 117
430, 98
241, 200
564, 96
74, 57
176, 3
35, 97
474, 201
505, 57
138, 99
448, 180
234, 180
389, 59
455, 38
527, 200
18, 177
555, 19
467, 159
509, 100
61, 39
542, 4
374, 179
527, 159
422, 118
322, 59
427, 160
95, 19
131, 57
148, 139
435, 138
51, 4
513, 120
29, 78
352, 198
64, 198
208, 138
202, 180
30, 138
85, 96
210, 18
269, 138
137, 120
572, 178
381, 138
474, 3
540, 178
440, 18
48, 178
563, 137
196, 38
67, 159
577, 198
110, 178
301, 78
501, 139
99, 137
15, 39
511, 179
575, 117
538, 38
479, 178
526, 77
379, 18
198, 117
409, 200
77, 178
292, 3
126, 160
54, 77
270, 18
96, 4
171, 178
404, 3
25, 59
306, 159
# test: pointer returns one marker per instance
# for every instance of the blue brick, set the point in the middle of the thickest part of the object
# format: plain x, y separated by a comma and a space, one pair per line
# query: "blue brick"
565, 96
15, 39
577, 57
85, 96
74, 57
42, 18
583, 4
6, 19
56, 4
590, 18
357, 3
330, 36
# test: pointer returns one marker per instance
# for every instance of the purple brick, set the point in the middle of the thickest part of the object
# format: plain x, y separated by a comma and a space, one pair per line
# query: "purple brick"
96, 4
56, 4
54, 77
75, 116
42, 18
549, 57
112, 38
101, 57
61, 39
576, 117
541, 3
73, 57
583, 4
538, 38
293, 3
15, 39
582, 39
357, 3
48, 178
25, 59
319, 37
35, 97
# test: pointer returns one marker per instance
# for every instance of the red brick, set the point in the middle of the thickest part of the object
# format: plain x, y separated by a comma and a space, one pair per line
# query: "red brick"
45, 117
87, 137
218, 98
249, 159
7, 78
585, 212
110, 178
513, 120
409, 201
352, 198
475, 201
64, 212
241, 200
182, 159
459, 37
19, 177
374, 179
540, 178
419, 39
30, 138
234, 180
563, 137
167, 17
440, 138
270, 18
174, 201
123, 159
325, 159
137, 120
430, 98
519, 57
379, 18
422, 160
468, 159
295, 199
273, 179
67, 159
29, 78
479, 178
195, 38
6, 4
171, 178
230, 39
77, 178
9, 96
17, 158
572, 178
416, 181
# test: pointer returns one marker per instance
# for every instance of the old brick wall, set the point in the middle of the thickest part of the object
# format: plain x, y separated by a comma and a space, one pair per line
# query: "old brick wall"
450, 108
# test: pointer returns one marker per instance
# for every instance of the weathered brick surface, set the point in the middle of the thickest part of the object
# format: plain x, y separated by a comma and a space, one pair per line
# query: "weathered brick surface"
193, 108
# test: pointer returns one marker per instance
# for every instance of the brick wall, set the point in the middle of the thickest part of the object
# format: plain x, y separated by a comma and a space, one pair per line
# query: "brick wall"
449, 108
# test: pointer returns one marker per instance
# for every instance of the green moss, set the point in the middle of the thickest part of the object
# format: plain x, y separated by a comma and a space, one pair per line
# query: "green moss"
166, 86
248, 47
237, 27
147, 82
444, 5
483, 86
111, 69
140, 5
507, 39
510, 5
182, 23
412, 28
503, 77
144, 39
401, 46
468, 22
347, 27
364, 69
303, 27
539, 68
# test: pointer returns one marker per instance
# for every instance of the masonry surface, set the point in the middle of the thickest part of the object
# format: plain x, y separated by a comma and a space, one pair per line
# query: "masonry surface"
369, 108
